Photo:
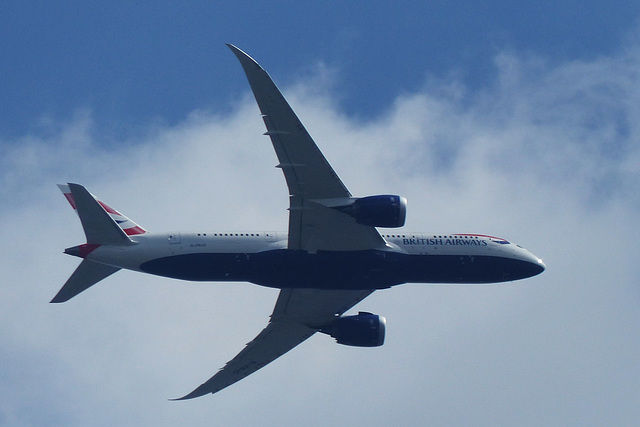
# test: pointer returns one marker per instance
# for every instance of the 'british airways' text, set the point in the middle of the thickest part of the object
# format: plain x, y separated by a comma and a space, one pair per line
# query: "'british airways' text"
444, 242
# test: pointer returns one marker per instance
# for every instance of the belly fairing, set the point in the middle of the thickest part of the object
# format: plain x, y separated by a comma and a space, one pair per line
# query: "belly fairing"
371, 269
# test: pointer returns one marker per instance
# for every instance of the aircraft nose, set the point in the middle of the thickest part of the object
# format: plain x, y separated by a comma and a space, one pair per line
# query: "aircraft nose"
536, 263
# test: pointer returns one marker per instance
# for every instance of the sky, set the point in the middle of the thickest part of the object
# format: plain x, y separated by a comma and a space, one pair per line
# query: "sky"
515, 120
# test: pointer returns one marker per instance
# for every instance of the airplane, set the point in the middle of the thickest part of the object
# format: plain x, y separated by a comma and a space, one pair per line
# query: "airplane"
331, 258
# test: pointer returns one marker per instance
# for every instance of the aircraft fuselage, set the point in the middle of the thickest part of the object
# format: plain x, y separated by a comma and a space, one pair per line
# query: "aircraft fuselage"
263, 259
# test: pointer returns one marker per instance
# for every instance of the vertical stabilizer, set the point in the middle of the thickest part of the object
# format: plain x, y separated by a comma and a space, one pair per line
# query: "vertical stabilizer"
129, 227
99, 225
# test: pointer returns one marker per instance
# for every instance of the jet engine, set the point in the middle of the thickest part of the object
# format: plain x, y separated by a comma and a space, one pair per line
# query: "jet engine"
362, 330
378, 211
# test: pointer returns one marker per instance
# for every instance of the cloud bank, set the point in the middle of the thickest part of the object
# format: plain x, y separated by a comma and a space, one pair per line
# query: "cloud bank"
547, 156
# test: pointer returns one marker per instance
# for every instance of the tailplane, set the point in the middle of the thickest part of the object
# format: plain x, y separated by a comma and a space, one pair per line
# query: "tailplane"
86, 275
102, 225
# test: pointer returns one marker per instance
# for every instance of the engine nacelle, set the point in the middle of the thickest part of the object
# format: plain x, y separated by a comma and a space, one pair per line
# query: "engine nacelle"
362, 330
378, 211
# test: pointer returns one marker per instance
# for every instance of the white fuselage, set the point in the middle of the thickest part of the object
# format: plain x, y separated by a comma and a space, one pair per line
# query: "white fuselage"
263, 258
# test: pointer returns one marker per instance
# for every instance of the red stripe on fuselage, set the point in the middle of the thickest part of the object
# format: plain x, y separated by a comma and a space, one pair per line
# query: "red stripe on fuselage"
87, 248
82, 251
481, 235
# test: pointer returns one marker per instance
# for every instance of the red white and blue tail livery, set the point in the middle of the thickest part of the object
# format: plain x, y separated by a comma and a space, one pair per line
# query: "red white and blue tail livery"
331, 257
129, 227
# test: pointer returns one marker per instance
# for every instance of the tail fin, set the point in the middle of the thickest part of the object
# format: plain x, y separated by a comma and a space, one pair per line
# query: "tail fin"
97, 217
102, 226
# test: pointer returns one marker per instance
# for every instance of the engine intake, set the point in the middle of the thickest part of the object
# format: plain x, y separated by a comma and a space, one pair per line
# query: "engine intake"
387, 211
362, 330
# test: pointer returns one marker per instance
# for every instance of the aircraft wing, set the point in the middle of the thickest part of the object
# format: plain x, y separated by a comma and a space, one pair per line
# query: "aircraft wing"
311, 180
313, 225
298, 314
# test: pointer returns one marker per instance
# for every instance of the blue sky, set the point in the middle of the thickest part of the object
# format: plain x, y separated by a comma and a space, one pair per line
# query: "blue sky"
513, 120
134, 63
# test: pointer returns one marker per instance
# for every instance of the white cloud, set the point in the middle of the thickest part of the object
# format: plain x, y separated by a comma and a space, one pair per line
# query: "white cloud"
547, 156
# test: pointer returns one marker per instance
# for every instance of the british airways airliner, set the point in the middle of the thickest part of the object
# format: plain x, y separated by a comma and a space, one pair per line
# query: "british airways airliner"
331, 258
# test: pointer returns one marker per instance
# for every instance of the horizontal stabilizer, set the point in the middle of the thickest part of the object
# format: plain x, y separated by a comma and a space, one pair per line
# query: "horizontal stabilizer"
86, 275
